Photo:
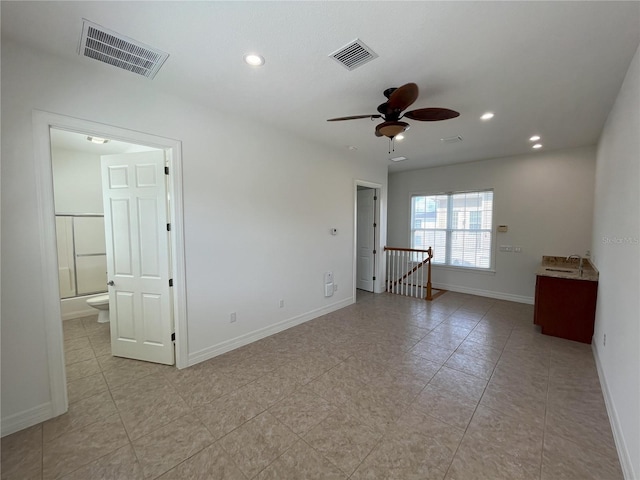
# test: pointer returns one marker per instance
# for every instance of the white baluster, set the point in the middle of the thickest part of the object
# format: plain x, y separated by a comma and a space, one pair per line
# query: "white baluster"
395, 261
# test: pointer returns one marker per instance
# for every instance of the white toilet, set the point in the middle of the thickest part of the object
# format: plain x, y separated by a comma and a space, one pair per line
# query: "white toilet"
101, 303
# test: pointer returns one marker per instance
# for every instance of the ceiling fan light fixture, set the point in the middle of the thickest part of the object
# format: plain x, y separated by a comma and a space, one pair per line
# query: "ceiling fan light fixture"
400, 137
537, 146
487, 116
535, 138
391, 129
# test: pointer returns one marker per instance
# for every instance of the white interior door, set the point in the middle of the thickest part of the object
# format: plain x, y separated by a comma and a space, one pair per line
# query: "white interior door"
137, 241
366, 239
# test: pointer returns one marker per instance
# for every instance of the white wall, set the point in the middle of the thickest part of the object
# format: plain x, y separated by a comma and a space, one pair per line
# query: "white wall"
258, 206
616, 253
77, 181
545, 199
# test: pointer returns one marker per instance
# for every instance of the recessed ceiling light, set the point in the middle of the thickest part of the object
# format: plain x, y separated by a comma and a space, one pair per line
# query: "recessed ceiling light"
400, 137
487, 116
97, 140
398, 159
535, 138
254, 59
537, 145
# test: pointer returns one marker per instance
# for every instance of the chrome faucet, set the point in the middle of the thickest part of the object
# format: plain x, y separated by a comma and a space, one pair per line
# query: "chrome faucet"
580, 264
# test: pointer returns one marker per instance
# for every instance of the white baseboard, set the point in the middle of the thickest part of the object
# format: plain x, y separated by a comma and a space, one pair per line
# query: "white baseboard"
614, 420
21, 420
485, 293
227, 346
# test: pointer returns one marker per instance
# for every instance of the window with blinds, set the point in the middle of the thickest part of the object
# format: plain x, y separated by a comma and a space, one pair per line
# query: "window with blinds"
457, 225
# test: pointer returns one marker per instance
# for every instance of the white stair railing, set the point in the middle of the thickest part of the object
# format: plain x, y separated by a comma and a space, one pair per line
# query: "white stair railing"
406, 274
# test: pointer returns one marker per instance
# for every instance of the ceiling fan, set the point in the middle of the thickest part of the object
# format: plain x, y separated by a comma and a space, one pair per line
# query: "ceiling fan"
398, 99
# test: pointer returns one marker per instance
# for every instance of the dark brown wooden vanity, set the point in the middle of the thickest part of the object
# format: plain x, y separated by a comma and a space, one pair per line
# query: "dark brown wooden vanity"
565, 301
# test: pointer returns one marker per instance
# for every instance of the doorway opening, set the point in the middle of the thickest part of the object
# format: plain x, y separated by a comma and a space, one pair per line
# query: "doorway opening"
48, 131
367, 237
79, 214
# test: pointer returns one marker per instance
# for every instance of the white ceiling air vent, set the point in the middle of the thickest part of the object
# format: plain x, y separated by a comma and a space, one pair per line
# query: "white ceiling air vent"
120, 51
456, 139
353, 55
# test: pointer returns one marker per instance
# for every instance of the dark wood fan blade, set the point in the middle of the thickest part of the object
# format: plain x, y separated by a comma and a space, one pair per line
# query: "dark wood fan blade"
402, 97
354, 117
431, 114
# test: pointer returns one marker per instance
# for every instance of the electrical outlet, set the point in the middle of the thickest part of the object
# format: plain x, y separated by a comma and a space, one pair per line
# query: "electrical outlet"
335, 287
604, 340
232, 317
281, 303
517, 249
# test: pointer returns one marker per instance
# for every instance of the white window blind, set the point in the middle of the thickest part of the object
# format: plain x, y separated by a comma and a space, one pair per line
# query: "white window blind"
457, 225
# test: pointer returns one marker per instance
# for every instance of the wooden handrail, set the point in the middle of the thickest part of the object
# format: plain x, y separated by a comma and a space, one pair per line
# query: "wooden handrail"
429, 250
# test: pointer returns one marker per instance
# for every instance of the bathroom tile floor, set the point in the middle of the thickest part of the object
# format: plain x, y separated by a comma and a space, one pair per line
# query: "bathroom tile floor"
388, 388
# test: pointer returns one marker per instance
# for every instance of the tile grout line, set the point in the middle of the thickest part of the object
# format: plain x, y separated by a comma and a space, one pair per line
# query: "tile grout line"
546, 405
117, 412
477, 404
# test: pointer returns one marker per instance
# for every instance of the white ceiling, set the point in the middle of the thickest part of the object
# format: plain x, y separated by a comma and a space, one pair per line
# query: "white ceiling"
547, 68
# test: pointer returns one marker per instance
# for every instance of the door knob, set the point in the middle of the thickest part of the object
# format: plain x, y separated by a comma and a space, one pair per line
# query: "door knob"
111, 283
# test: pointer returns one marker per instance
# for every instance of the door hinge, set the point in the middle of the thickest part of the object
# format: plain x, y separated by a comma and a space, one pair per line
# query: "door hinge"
374, 252
171, 282
375, 198
166, 170
374, 278
173, 337
168, 227
375, 225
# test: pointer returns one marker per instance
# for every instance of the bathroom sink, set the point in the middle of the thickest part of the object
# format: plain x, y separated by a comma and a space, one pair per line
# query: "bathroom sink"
572, 269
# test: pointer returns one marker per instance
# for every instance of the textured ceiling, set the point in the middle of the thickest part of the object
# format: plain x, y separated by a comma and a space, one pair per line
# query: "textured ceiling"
547, 68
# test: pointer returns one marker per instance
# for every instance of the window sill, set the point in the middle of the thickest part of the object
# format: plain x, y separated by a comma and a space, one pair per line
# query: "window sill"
481, 271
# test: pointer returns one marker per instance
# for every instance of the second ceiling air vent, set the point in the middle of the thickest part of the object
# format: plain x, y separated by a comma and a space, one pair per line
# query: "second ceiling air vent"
353, 55
456, 139
123, 52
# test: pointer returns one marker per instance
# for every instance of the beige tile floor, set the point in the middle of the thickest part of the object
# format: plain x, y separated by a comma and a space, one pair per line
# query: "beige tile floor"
389, 388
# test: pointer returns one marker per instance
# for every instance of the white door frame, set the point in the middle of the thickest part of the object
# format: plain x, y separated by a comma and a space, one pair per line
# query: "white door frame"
42, 123
378, 270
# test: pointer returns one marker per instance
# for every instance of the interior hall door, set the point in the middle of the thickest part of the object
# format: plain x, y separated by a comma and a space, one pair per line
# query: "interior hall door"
138, 265
366, 239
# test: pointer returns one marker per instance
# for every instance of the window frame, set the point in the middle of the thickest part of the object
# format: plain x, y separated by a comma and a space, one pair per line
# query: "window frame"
450, 229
